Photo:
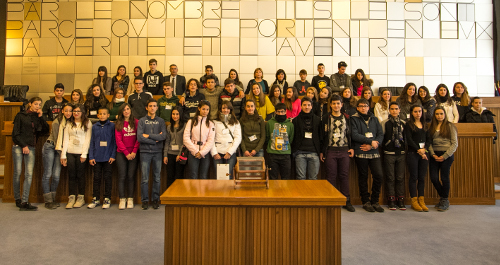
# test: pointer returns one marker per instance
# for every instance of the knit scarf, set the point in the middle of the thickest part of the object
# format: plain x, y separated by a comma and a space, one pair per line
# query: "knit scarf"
397, 134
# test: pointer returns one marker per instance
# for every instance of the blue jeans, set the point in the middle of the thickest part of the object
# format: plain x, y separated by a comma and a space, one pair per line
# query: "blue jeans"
307, 164
146, 159
260, 153
29, 163
51, 167
196, 165
231, 161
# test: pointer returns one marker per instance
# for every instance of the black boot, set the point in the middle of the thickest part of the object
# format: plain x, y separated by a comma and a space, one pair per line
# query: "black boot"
391, 203
26, 206
401, 203
18, 203
348, 206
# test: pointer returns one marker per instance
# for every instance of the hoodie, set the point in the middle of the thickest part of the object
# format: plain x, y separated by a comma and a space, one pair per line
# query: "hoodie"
102, 143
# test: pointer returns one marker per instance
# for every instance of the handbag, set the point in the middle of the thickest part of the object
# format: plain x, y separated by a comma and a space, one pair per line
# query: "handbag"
183, 156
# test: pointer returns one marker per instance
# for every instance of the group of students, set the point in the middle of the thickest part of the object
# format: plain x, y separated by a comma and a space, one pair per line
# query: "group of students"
216, 124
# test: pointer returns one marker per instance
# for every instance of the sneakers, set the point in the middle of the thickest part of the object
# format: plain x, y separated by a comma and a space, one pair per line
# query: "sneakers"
377, 207
438, 204
26, 206
95, 202
71, 202
391, 203
348, 206
18, 203
156, 205
368, 207
145, 205
130, 203
401, 203
80, 201
445, 204
106, 204
121, 206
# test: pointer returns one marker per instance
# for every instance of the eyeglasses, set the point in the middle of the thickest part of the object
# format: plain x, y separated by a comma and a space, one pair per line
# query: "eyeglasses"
362, 106
77, 111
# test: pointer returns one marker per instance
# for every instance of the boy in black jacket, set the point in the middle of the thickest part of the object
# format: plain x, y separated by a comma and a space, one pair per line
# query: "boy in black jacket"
478, 114
367, 135
153, 79
307, 144
336, 148
53, 106
394, 157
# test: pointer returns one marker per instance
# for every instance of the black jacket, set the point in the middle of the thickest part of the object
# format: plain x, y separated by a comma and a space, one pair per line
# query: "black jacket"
388, 144
326, 127
191, 104
238, 103
299, 132
51, 108
485, 117
27, 128
180, 83
139, 104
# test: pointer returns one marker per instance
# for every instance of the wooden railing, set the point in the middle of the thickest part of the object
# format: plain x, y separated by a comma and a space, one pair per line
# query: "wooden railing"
471, 177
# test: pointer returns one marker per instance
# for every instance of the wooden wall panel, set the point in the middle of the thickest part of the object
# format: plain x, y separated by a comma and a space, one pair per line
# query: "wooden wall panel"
252, 235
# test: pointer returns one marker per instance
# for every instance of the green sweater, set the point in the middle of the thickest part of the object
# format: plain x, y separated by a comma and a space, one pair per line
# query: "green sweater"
279, 136
165, 106
113, 112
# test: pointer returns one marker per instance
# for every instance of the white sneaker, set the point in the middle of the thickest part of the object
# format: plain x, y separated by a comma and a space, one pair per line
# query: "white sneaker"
95, 202
121, 206
130, 203
106, 203
71, 202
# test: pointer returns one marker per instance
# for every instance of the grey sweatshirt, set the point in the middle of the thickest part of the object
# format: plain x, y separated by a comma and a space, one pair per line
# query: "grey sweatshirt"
449, 146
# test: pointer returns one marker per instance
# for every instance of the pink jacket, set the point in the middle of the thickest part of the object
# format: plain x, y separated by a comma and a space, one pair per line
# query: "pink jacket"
296, 108
126, 140
192, 136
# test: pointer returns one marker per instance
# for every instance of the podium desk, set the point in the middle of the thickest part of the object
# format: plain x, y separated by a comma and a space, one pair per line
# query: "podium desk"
292, 222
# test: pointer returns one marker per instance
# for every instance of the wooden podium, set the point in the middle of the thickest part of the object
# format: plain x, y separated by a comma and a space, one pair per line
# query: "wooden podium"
292, 222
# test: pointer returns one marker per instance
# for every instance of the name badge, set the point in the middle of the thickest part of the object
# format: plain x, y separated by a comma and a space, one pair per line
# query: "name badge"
103, 143
336, 135
408, 115
76, 141
168, 107
225, 131
252, 138
93, 112
341, 87
369, 135
191, 114
309, 135
175, 147
422, 145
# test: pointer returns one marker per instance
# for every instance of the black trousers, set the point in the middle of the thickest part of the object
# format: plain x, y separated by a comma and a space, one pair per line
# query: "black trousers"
174, 170
127, 171
395, 166
279, 165
375, 166
102, 170
418, 169
76, 174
